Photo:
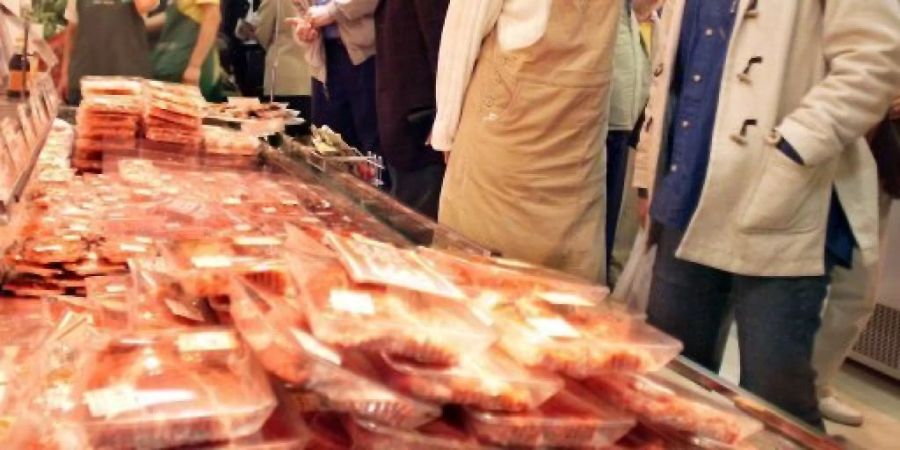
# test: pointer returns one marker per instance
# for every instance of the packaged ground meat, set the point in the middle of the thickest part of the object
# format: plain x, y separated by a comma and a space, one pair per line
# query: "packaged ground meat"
565, 420
488, 381
659, 403
425, 328
583, 342
436, 435
172, 388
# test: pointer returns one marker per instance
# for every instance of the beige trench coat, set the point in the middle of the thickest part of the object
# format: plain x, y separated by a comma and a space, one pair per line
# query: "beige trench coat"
819, 73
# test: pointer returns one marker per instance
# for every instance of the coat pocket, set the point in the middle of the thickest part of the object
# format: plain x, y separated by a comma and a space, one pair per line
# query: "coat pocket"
784, 199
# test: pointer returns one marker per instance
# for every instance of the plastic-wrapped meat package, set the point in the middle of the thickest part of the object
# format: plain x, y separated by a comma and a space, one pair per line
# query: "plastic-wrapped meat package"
218, 140
173, 388
110, 85
111, 105
205, 265
158, 300
354, 387
284, 430
107, 120
45, 402
275, 334
54, 249
565, 420
175, 137
581, 343
483, 276
437, 435
488, 381
370, 261
428, 329
110, 294
119, 249
24, 323
661, 404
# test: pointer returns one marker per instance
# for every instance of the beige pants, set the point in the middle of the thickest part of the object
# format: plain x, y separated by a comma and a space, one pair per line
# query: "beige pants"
850, 304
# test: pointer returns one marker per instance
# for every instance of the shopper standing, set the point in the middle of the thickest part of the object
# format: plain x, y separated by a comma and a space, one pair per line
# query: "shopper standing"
851, 299
287, 76
630, 89
339, 37
186, 50
244, 55
104, 38
408, 37
751, 127
523, 92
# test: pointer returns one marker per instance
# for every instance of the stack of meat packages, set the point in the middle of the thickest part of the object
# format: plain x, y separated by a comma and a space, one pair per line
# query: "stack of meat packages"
173, 116
108, 120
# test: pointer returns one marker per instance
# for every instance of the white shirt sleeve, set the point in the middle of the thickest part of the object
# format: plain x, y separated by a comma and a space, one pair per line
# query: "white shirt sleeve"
71, 14
519, 23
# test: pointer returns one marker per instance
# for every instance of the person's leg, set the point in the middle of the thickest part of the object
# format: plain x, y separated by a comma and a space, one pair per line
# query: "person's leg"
362, 104
851, 302
777, 320
301, 103
690, 302
616, 172
331, 101
419, 189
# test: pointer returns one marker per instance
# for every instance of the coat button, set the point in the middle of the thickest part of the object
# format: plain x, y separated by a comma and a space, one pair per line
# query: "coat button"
686, 124
697, 78
709, 32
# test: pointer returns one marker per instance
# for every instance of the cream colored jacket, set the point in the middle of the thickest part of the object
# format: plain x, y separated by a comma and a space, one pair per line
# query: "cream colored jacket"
820, 73
356, 23
292, 77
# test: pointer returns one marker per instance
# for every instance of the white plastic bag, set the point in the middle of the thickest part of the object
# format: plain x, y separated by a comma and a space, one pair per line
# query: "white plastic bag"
633, 287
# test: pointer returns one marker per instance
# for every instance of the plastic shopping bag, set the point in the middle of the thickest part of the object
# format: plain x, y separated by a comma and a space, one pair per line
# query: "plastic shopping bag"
633, 288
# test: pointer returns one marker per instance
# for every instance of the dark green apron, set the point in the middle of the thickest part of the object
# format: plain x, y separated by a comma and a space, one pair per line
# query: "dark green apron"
173, 54
111, 40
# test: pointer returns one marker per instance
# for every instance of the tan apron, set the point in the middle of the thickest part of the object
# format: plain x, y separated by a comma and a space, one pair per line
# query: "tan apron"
527, 173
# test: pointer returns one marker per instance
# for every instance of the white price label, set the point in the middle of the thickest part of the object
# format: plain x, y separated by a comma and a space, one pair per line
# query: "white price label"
206, 341
133, 248
352, 302
565, 299
257, 241
116, 289
112, 401
553, 327
212, 262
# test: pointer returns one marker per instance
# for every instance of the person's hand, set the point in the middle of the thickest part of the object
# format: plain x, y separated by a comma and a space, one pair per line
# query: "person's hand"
246, 31
303, 30
319, 16
644, 9
894, 112
191, 76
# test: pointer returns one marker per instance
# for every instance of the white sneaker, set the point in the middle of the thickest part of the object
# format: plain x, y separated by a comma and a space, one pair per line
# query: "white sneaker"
837, 411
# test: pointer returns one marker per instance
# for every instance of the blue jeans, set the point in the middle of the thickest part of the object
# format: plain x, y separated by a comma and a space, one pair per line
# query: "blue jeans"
347, 102
777, 320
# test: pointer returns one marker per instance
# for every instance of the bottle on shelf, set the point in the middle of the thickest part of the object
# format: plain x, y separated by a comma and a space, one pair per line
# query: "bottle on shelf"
19, 69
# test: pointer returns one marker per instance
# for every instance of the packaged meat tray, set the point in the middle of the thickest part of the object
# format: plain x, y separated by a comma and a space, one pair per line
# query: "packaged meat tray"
106, 85
173, 388
565, 420
488, 381
205, 265
428, 329
110, 294
581, 343
158, 300
354, 387
275, 334
437, 435
111, 105
370, 261
483, 276
284, 430
659, 403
